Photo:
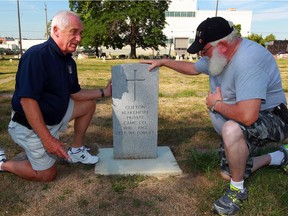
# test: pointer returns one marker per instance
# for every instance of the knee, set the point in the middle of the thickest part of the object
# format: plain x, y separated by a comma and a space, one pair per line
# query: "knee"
47, 175
231, 128
231, 132
83, 108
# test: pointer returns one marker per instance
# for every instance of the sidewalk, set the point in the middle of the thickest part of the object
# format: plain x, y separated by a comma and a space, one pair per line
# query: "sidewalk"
2, 81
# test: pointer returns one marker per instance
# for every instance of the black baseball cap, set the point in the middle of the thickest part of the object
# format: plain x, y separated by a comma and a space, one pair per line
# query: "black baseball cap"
210, 30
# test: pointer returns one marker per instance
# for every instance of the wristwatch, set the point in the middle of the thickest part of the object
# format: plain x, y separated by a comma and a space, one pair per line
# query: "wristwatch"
102, 92
214, 104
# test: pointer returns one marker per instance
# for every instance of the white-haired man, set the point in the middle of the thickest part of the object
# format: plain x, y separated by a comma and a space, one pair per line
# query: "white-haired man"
47, 96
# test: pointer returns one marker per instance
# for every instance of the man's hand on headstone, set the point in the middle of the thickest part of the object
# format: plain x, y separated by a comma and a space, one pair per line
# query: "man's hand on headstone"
108, 89
154, 63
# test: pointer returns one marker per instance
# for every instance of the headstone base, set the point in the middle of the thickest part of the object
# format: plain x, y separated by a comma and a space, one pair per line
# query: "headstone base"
164, 165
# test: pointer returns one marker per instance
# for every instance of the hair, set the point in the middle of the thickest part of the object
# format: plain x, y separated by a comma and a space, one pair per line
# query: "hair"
230, 38
61, 19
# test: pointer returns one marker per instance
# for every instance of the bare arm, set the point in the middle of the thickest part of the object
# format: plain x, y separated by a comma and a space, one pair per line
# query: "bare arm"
92, 94
183, 67
245, 112
35, 119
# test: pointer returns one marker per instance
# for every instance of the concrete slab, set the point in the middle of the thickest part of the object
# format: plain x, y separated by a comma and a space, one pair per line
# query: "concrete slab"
164, 165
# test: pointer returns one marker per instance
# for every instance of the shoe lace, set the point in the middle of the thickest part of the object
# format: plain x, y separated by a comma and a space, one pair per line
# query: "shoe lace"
234, 194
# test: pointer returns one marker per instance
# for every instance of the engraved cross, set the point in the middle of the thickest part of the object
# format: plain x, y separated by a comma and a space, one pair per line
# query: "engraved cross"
134, 80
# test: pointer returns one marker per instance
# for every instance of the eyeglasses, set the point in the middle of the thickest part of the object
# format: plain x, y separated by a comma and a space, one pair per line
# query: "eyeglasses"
204, 51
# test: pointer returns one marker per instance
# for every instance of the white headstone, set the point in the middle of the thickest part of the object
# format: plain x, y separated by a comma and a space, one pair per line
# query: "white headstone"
135, 125
135, 111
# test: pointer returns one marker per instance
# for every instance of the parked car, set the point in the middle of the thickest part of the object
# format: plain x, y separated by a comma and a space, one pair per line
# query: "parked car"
6, 51
2, 51
89, 52
9, 52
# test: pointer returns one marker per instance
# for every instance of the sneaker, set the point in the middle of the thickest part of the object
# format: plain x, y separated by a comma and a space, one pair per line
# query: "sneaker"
230, 202
284, 162
87, 148
82, 156
2, 155
2, 158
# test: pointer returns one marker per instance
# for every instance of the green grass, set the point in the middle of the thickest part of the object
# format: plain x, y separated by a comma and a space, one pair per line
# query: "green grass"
122, 183
184, 126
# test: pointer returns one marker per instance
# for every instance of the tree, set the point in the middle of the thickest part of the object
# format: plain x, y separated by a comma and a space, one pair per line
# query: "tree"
270, 37
238, 27
119, 23
48, 32
87, 11
257, 38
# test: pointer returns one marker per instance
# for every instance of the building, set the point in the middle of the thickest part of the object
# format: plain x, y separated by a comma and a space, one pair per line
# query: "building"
8, 43
26, 43
182, 19
14, 44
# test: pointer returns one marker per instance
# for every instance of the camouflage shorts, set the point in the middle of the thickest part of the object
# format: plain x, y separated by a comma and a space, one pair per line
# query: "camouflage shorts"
268, 128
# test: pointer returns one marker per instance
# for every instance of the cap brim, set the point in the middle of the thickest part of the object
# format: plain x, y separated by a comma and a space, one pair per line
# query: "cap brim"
195, 47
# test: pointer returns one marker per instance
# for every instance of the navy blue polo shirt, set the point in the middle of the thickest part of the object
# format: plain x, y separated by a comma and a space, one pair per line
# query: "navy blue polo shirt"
48, 76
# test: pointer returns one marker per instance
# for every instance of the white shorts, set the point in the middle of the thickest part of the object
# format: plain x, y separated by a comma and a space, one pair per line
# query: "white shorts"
37, 155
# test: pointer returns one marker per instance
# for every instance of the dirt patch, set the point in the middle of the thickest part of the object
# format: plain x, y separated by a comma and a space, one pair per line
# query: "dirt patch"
6, 80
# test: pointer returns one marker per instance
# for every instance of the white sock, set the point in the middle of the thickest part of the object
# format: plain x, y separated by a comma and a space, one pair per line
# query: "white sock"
238, 185
276, 158
76, 150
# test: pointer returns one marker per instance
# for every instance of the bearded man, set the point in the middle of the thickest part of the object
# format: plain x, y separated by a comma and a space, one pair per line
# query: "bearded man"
246, 102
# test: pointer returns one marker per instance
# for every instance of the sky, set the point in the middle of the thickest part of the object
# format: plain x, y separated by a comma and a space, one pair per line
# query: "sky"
269, 16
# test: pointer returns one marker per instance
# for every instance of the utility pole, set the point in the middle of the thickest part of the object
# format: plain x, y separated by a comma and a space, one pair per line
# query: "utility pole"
19, 28
171, 41
216, 8
47, 34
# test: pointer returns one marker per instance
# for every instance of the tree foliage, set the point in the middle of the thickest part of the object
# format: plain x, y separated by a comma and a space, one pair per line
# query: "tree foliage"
259, 39
87, 10
255, 37
270, 37
119, 23
238, 27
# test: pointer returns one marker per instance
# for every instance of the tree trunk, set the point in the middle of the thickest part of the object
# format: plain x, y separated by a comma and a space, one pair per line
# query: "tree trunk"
133, 38
97, 51
133, 51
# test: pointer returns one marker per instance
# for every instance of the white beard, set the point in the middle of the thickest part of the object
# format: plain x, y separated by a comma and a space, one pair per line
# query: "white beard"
217, 63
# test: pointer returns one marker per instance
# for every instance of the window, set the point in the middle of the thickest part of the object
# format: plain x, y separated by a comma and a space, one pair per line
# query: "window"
180, 14
177, 14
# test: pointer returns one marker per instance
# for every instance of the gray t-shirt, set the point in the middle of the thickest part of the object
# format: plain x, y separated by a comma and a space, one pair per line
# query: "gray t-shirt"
251, 73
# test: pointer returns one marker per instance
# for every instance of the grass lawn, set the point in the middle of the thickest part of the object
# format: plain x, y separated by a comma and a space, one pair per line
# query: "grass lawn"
184, 126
